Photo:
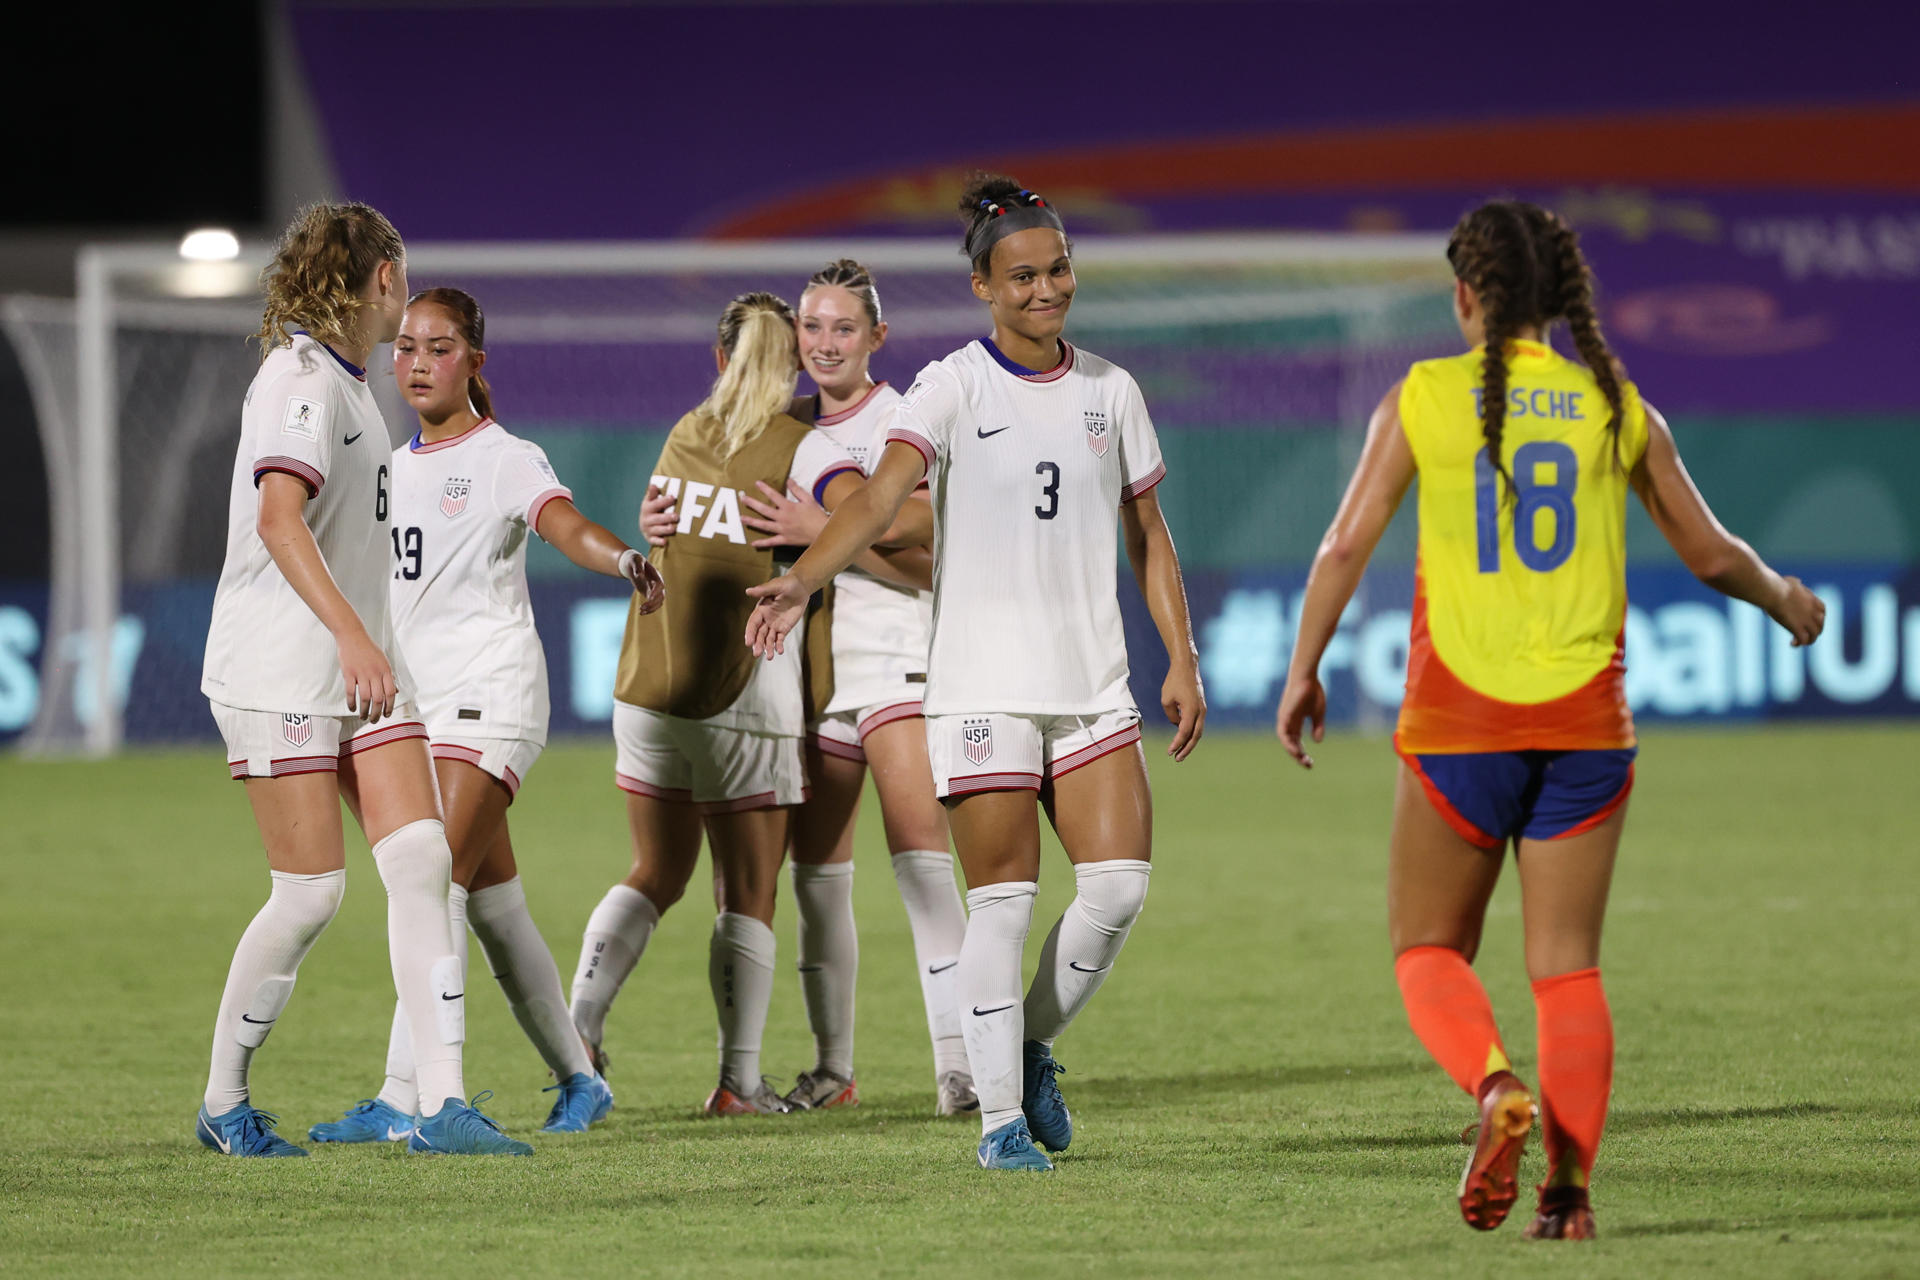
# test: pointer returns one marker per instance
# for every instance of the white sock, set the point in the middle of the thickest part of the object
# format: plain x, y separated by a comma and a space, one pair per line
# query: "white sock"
1084, 943
525, 970
829, 960
417, 867
740, 968
401, 1089
260, 979
615, 939
998, 917
939, 922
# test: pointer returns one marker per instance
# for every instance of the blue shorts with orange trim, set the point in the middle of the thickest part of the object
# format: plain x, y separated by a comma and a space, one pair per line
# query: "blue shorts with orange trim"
1490, 797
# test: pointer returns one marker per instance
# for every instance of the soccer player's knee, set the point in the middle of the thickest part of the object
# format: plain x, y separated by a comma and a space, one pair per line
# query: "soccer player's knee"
305, 905
415, 859
1113, 893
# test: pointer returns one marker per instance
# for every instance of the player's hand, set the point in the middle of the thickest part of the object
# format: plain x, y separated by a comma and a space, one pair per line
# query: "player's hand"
1802, 613
1185, 703
371, 691
783, 602
659, 518
646, 580
1304, 702
789, 521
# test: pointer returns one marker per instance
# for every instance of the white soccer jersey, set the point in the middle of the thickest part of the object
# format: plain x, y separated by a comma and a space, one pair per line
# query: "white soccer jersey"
311, 415
1028, 473
880, 631
462, 510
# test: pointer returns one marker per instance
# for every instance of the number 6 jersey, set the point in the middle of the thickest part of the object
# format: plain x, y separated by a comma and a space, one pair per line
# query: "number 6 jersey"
308, 414
463, 508
1027, 472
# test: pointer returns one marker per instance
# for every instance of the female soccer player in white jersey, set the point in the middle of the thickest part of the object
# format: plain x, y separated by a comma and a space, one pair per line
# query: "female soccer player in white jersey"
706, 737
298, 674
465, 495
1032, 446
880, 632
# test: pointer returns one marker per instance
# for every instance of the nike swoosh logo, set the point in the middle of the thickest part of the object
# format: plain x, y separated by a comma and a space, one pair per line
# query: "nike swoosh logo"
258, 1022
996, 431
226, 1148
356, 435
1080, 968
398, 1135
445, 996
978, 1012
942, 968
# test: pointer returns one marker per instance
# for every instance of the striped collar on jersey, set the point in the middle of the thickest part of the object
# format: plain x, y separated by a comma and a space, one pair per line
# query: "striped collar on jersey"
1025, 374
828, 420
417, 447
345, 363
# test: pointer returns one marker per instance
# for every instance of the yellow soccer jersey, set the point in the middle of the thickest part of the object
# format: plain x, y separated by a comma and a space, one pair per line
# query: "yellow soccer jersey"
1522, 600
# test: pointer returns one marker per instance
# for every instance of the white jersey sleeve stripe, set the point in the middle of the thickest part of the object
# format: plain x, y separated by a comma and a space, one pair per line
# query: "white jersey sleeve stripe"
540, 500
1144, 483
291, 466
900, 435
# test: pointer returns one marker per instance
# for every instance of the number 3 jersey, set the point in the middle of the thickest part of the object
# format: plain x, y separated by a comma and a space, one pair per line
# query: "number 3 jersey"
1028, 470
462, 511
1519, 601
308, 414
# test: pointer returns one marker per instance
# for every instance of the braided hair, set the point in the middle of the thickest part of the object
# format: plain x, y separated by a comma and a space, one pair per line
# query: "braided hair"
1526, 266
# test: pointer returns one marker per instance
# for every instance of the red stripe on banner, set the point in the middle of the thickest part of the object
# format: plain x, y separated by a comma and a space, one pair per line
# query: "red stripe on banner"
1144, 483
993, 782
1088, 754
636, 786
886, 716
383, 737
900, 435
290, 466
835, 747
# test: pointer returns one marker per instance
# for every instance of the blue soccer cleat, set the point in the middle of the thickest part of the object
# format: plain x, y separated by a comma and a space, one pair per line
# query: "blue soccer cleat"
458, 1129
368, 1120
1040, 1099
584, 1100
244, 1131
1011, 1147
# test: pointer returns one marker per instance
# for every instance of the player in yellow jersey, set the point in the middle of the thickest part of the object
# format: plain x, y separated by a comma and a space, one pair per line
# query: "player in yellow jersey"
1515, 725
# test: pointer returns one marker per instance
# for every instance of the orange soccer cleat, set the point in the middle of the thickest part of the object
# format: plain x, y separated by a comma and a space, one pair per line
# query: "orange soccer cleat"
1491, 1182
760, 1102
1565, 1214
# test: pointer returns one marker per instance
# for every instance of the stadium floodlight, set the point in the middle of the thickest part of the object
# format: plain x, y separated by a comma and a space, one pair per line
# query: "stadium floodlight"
210, 244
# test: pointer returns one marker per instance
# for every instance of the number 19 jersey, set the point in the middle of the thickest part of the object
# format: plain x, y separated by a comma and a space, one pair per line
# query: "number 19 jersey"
1519, 601
1028, 471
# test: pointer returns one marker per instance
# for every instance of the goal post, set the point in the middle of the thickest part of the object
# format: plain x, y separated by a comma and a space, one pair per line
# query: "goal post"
136, 384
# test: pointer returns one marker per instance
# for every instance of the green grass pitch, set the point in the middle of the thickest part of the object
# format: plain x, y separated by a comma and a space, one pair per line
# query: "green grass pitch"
1249, 1100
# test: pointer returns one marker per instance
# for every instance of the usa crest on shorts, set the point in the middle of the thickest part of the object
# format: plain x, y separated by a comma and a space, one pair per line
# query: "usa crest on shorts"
453, 498
298, 729
1099, 432
976, 738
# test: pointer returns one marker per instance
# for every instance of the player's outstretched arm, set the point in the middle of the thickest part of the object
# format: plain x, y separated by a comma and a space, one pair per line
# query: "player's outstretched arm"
1716, 557
861, 513
592, 546
1379, 483
795, 520
281, 522
1156, 567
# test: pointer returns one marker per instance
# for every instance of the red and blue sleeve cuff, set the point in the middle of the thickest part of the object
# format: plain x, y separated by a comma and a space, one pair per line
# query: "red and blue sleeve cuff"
900, 435
826, 478
302, 471
1144, 483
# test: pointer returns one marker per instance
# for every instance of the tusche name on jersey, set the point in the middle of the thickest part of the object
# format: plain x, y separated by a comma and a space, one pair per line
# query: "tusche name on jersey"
715, 508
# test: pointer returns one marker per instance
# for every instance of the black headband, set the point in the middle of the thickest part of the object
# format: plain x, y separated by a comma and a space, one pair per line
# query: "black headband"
1006, 220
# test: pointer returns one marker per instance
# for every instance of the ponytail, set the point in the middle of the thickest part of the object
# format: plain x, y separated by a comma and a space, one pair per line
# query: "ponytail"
756, 336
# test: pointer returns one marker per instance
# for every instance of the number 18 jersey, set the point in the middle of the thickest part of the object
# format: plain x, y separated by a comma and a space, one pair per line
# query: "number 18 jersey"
1519, 601
1028, 471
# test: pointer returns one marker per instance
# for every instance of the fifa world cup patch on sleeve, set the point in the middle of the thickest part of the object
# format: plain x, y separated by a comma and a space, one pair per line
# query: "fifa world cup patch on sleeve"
304, 418
543, 469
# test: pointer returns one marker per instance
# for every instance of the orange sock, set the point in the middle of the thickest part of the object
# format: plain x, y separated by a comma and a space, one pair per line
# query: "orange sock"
1450, 1013
1576, 1067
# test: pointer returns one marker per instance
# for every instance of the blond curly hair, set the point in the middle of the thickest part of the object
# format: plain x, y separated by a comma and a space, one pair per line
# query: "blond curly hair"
323, 261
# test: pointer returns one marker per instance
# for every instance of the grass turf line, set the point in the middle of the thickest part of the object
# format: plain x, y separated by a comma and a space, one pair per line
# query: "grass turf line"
1248, 1098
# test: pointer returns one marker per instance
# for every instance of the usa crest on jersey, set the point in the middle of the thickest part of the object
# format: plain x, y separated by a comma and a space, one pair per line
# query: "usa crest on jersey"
1099, 433
976, 737
453, 498
298, 729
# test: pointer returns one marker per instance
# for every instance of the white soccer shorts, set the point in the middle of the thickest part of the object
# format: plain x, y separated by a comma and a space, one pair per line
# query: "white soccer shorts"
998, 751
274, 744
844, 733
691, 761
508, 759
